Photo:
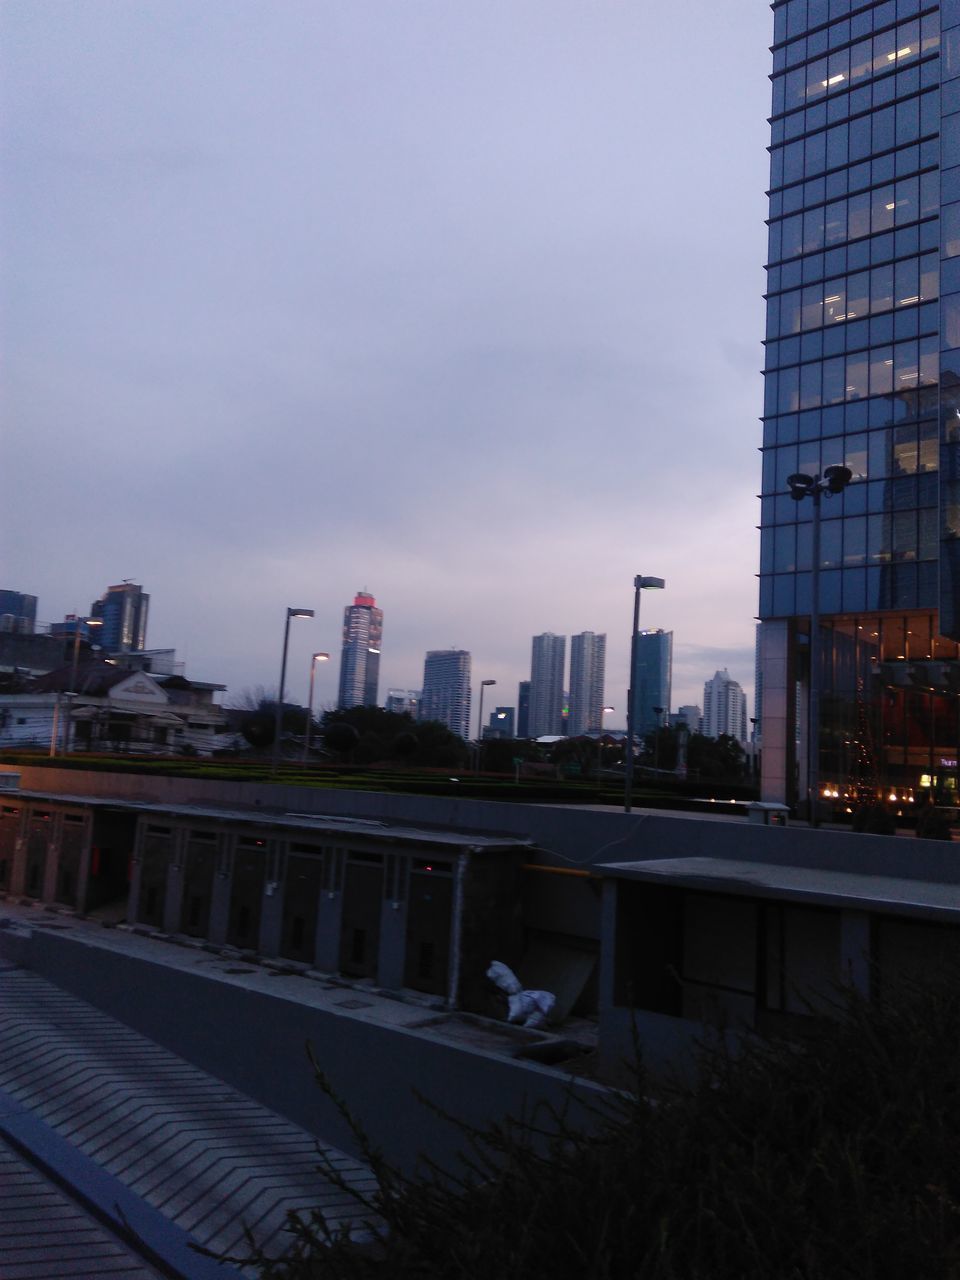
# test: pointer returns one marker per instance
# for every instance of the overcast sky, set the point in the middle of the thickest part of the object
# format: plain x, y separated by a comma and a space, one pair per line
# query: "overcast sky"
455, 300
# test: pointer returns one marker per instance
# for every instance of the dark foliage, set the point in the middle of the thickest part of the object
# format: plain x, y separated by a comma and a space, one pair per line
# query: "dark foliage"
382, 736
832, 1157
259, 728
933, 824
874, 820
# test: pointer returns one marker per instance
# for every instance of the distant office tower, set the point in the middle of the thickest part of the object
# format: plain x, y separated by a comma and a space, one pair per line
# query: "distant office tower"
401, 701
523, 709
122, 610
360, 657
691, 716
446, 689
587, 659
652, 680
18, 612
546, 685
500, 724
724, 707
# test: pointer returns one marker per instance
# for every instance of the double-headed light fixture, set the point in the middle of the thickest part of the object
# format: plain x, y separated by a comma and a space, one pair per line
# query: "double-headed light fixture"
833, 481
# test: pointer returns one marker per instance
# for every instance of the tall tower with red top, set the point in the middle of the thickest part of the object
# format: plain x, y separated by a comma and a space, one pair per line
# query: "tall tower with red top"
360, 658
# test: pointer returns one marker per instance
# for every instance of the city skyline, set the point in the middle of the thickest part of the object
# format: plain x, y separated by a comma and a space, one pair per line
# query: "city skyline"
383, 378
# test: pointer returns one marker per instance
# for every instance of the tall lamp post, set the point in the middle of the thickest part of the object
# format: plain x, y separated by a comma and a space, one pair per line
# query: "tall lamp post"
78, 624
278, 720
834, 480
484, 684
314, 659
639, 584
603, 712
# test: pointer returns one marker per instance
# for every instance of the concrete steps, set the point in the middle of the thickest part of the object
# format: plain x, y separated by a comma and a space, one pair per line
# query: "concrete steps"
207, 1158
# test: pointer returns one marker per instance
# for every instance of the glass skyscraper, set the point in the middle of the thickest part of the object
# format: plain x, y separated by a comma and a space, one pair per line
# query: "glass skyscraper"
652, 680
862, 369
360, 655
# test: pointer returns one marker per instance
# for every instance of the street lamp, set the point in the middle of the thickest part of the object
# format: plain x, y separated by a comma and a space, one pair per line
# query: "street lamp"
314, 659
78, 623
658, 712
834, 480
484, 684
278, 720
639, 584
603, 712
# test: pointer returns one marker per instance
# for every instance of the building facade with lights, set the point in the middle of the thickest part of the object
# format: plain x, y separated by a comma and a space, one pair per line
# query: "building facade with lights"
652, 680
547, 660
446, 689
588, 654
862, 370
360, 656
122, 611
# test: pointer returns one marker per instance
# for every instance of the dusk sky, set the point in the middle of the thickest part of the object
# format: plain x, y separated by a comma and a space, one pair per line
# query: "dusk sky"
455, 300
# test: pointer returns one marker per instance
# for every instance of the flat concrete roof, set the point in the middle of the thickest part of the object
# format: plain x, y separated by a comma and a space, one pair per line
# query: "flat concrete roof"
308, 823
894, 895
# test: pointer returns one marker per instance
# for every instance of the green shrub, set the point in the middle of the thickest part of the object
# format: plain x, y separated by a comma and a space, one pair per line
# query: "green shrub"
834, 1157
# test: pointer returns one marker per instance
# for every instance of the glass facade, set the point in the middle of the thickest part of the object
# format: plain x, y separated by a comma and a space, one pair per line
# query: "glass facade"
862, 369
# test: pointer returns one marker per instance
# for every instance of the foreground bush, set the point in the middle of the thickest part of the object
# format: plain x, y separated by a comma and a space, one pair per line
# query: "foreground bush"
837, 1156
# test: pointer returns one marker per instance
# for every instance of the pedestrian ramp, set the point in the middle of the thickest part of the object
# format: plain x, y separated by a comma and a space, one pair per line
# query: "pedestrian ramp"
205, 1157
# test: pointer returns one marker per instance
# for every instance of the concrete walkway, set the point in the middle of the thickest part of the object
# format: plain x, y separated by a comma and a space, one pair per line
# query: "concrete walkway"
134, 1128
45, 1235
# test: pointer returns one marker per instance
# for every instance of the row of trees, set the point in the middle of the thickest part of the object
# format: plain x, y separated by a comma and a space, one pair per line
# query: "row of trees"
371, 735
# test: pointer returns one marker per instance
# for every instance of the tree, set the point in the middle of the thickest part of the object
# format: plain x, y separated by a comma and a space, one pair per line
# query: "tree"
383, 736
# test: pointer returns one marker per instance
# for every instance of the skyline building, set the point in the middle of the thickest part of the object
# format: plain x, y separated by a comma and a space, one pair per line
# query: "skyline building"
122, 610
724, 707
446, 689
360, 655
546, 685
523, 709
652, 679
690, 715
400, 701
862, 369
587, 666
500, 724
18, 612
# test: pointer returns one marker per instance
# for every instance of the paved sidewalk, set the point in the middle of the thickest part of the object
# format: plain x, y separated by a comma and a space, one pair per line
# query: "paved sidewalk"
44, 1235
195, 1151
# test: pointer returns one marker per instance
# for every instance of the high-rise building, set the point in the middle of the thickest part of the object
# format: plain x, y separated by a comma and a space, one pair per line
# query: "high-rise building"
122, 610
523, 709
360, 656
587, 660
862, 369
546, 685
500, 724
724, 707
652, 679
446, 689
403, 701
18, 612
690, 715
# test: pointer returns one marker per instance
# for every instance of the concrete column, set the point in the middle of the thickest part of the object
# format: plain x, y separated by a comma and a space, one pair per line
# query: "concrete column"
86, 858
136, 872
778, 726
391, 960
271, 909
222, 885
855, 953
173, 902
48, 883
329, 912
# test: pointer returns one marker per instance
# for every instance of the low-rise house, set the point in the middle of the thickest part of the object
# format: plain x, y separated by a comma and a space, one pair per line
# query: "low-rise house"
113, 709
